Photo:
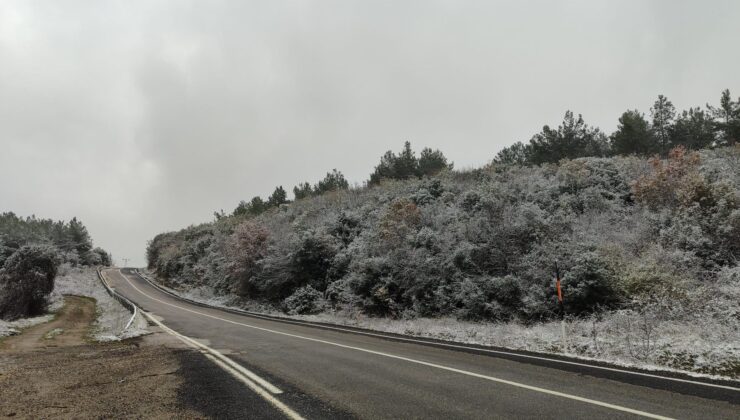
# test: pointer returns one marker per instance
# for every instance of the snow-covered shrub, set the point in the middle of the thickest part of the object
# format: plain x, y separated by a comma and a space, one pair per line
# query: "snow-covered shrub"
470, 201
70, 239
649, 269
482, 298
312, 260
589, 283
71, 257
407, 248
428, 192
698, 213
246, 246
401, 218
346, 227
426, 238
26, 280
274, 279
305, 300
670, 183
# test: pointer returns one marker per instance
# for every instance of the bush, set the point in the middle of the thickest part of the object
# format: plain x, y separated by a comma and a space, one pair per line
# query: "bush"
305, 300
405, 165
97, 256
401, 218
246, 246
310, 264
71, 239
26, 280
495, 299
588, 284
481, 244
671, 183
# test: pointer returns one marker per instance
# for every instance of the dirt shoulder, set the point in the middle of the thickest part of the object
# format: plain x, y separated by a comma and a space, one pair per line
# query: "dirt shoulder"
69, 327
53, 370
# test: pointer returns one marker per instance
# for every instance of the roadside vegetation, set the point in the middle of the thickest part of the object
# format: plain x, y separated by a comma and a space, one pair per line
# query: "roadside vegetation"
644, 224
31, 253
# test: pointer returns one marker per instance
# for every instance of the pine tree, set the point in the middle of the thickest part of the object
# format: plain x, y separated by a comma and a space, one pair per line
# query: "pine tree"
278, 197
727, 117
663, 113
333, 180
406, 165
516, 154
384, 169
241, 209
431, 162
403, 166
693, 129
78, 238
633, 135
572, 139
256, 206
302, 190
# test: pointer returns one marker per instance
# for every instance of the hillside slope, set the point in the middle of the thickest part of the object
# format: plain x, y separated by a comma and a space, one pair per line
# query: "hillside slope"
654, 240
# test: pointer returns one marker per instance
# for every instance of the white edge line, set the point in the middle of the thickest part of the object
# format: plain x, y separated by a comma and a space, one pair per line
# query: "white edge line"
241, 369
447, 368
457, 346
232, 368
272, 400
244, 371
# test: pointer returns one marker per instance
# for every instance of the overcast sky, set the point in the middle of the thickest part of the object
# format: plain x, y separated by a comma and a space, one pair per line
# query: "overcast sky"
145, 116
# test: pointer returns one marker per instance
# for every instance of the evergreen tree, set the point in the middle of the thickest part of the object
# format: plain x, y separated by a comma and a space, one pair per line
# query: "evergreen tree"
78, 238
431, 162
103, 257
241, 209
302, 190
693, 129
384, 169
516, 154
278, 197
403, 166
406, 165
572, 139
663, 113
633, 135
727, 117
255, 206
333, 180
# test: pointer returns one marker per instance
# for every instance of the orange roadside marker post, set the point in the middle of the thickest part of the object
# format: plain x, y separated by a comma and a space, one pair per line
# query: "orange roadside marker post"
562, 308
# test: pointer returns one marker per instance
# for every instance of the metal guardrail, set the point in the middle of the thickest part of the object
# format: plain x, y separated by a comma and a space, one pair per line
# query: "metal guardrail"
122, 300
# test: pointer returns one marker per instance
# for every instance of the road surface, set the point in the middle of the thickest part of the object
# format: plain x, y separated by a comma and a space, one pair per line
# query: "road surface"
323, 373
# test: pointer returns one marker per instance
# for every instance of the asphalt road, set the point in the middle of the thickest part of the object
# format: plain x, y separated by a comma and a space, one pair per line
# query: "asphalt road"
332, 374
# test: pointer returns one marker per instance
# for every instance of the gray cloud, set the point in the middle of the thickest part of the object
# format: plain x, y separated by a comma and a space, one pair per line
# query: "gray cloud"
140, 117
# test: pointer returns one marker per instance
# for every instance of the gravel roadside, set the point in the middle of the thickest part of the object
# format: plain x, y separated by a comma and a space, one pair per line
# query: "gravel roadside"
54, 370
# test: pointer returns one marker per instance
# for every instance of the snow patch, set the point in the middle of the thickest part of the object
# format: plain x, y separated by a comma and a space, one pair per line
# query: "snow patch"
112, 316
15, 327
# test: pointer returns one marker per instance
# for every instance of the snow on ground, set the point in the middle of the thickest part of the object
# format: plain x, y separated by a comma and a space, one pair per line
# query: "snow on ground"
14, 327
112, 316
617, 338
703, 347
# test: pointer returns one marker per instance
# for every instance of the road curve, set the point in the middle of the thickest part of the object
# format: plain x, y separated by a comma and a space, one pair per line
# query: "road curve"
332, 374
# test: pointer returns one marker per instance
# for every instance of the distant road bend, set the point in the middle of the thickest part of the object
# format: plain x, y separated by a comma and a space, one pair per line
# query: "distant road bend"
309, 372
